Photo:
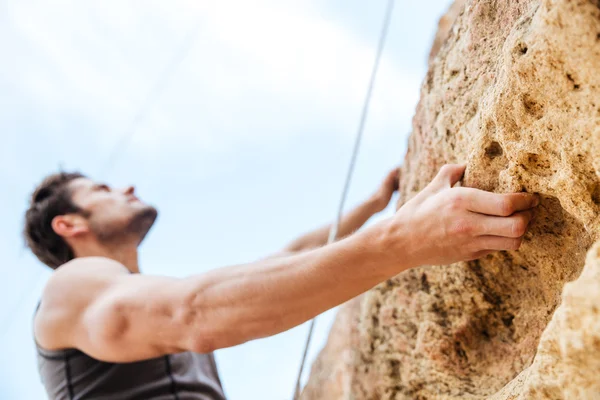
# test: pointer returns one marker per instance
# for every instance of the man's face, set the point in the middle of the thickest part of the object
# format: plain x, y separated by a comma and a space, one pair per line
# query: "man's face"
112, 215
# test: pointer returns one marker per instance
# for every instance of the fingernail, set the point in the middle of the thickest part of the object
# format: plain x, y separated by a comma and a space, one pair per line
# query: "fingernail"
536, 202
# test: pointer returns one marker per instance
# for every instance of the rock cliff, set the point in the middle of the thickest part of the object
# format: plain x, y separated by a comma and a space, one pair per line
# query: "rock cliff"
513, 91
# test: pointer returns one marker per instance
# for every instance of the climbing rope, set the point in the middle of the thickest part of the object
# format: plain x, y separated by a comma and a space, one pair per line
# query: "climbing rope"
359, 134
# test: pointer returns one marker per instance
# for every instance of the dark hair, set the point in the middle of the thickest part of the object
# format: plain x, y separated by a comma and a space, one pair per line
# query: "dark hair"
50, 199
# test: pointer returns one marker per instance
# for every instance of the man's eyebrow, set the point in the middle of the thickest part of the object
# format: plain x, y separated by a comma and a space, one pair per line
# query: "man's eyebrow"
100, 186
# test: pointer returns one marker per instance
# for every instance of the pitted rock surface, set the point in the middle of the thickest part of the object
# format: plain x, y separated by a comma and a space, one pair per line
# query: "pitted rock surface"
514, 93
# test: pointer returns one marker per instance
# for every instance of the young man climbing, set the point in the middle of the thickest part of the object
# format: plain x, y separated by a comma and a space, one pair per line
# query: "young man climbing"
106, 331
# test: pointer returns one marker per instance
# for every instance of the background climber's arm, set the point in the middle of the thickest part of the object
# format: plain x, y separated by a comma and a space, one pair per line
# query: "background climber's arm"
352, 220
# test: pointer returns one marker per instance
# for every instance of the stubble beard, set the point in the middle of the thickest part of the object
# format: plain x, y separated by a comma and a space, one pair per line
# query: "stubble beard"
135, 229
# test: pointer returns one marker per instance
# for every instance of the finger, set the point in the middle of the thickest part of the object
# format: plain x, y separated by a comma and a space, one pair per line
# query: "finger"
509, 227
449, 175
480, 254
395, 176
502, 205
498, 243
390, 178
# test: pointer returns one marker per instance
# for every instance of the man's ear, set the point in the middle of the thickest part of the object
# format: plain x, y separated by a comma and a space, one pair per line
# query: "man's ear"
70, 225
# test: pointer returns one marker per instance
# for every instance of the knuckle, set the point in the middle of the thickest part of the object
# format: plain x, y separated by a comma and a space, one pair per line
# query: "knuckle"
462, 227
445, 169
506, 207
457, 201
471, 257
444, 172
515, 244
519, 227
474, 248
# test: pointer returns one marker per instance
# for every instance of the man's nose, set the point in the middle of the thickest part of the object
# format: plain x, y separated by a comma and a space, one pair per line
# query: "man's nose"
129, 190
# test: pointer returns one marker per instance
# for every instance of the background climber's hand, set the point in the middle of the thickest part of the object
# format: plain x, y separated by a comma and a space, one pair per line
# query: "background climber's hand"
447, 224
386, 190
351, 221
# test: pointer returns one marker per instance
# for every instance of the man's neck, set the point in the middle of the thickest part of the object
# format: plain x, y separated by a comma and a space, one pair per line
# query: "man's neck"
126, 255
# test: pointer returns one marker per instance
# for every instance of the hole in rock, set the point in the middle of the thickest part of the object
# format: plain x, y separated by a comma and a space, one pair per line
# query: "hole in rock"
538, 164
550, 219
494, 150
532, 107
596, 194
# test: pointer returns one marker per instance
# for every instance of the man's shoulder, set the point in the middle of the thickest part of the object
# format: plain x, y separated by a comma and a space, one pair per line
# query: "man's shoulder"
79, 279
68, 292
83, 267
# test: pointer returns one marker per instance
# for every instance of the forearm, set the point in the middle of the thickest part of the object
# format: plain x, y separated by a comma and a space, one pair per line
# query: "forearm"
349, 223
246, 302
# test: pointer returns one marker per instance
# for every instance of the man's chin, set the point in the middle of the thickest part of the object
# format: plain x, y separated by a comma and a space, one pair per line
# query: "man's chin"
144, 221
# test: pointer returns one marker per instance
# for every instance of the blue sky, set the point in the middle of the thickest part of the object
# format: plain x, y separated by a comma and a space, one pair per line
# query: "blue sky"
246, 147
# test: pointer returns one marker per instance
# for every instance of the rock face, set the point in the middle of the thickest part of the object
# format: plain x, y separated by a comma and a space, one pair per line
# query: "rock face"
332, 372
445, 26
514, 92
568, 358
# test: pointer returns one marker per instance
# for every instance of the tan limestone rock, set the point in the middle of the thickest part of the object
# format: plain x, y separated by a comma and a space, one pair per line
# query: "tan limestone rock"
445, 26
567, 363
331, 374
515, 94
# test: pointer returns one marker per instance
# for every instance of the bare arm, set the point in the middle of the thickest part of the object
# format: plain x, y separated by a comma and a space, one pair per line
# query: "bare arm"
93, 304
96, 306
352, 220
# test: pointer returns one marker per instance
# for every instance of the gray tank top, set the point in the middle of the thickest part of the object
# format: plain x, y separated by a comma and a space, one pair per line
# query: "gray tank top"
72, 375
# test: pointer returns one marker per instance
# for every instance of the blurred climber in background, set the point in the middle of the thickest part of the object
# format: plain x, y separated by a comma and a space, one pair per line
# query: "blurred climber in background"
104, 330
